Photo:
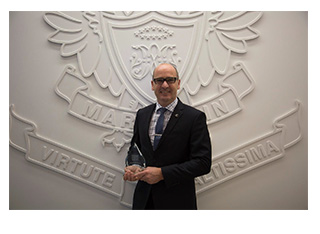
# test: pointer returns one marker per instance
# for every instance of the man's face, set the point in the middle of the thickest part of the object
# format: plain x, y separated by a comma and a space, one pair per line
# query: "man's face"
165, 93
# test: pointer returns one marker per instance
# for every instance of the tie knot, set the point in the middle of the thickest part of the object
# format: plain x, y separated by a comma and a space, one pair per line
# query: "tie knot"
162, 110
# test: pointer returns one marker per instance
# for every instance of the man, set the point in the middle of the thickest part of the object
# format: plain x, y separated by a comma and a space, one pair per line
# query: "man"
175, 154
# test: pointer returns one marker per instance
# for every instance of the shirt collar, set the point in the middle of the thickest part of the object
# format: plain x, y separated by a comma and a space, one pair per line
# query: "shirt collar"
170, 107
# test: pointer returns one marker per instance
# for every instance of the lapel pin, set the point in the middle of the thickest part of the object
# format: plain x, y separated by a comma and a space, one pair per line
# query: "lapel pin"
176, 115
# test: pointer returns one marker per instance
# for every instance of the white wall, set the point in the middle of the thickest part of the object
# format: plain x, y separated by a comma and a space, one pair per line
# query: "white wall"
74, 93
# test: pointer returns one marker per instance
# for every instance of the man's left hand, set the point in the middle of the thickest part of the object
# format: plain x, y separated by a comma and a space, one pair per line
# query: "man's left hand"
151, 175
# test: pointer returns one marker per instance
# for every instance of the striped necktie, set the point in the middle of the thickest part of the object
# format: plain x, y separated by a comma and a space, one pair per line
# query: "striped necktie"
159, 128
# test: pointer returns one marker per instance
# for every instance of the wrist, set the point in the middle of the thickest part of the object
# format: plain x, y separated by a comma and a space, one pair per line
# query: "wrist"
160, 173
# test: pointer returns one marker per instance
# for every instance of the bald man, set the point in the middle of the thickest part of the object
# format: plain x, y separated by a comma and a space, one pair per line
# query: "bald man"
174, 139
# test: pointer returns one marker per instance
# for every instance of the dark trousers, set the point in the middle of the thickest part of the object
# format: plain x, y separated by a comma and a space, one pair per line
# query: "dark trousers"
150, 205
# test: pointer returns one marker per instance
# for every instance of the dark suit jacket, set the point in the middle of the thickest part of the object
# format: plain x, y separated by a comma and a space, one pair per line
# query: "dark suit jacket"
183, 153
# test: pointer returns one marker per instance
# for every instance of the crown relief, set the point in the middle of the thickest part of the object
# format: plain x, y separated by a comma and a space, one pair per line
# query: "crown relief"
153, 32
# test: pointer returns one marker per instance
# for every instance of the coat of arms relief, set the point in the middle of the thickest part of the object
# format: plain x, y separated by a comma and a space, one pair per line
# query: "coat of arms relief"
114, 54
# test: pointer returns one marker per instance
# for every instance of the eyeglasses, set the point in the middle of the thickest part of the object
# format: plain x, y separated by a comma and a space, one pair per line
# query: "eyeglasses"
169, 80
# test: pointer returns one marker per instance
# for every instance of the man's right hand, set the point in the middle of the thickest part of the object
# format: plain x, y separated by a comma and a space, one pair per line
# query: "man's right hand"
130, 172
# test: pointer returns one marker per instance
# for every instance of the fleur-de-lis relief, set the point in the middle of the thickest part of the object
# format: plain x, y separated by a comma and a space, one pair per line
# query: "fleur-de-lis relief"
150, 57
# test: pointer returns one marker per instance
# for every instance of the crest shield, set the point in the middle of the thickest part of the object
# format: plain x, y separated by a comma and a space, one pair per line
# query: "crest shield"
155, 38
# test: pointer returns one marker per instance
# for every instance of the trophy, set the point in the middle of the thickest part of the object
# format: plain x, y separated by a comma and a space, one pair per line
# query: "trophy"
135, 159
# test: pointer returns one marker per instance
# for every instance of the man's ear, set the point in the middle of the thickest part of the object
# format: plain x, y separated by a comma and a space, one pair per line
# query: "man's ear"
152, 84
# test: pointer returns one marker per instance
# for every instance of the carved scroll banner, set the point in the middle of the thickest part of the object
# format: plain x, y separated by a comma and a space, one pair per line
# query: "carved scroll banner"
256, 153
66, 161
116, 119
233, 87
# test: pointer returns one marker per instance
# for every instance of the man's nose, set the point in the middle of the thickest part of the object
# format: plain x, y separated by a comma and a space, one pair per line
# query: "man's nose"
165, 84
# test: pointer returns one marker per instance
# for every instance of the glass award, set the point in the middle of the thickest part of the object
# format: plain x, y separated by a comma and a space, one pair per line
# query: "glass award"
135, 158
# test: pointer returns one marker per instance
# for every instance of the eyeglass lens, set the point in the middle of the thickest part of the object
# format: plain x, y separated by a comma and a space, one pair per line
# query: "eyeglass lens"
169, 80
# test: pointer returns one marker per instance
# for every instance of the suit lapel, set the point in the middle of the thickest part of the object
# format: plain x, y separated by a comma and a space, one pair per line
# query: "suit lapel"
146, 123
176, 115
